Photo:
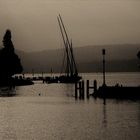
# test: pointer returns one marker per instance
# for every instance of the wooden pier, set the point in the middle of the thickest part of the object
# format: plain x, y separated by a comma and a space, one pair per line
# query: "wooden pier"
80, 89
105, 92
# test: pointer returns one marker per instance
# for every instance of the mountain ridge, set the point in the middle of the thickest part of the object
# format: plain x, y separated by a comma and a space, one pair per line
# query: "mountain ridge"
88, 58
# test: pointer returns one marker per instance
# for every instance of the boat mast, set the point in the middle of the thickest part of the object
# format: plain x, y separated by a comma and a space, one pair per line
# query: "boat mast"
73, 64
73, 60
66, 44
63, 41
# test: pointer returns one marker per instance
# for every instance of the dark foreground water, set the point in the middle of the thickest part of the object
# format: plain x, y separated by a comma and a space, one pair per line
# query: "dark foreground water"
56, 115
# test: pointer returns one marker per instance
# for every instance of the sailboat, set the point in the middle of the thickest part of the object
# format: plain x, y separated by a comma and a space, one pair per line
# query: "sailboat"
71, 72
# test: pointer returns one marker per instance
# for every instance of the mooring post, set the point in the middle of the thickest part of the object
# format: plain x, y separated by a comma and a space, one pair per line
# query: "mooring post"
87, 88
76, 88
95, 86
80, 90
83, 89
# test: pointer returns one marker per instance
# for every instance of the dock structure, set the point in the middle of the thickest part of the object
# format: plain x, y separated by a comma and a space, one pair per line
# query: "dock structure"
118, 92
88, 87
106, 92
80, 86
80, 89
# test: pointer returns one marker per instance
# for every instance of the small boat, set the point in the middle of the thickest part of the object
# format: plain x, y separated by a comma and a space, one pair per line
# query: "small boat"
23, 82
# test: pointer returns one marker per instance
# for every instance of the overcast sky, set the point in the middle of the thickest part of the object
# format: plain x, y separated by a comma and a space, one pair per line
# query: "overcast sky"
34, 23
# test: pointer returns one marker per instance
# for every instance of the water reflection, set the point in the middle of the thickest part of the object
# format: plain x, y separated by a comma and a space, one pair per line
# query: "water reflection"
68, 89
7, 118
56, 115
7, 92
104, 114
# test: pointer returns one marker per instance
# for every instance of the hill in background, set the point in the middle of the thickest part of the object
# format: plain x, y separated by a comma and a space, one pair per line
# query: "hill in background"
119, 58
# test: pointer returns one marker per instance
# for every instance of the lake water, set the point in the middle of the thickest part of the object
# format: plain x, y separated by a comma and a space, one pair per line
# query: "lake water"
56, 115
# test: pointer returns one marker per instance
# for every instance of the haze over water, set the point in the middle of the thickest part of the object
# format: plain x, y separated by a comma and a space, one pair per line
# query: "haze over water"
55, 114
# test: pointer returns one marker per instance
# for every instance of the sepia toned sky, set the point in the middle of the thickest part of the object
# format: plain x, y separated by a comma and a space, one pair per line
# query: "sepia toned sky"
34, 23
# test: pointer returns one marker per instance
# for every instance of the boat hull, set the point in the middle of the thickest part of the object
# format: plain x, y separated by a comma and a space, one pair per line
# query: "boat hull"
63, 79
69, 79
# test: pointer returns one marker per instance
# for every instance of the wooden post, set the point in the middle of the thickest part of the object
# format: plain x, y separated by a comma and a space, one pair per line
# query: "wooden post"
76, 93
87, 89
83, 89
95, 86
80, 90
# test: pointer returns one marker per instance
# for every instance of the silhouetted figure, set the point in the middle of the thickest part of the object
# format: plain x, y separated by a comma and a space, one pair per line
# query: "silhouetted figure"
9, 61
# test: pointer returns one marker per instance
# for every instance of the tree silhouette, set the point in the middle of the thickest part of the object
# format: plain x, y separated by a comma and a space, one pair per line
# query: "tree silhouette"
9, 61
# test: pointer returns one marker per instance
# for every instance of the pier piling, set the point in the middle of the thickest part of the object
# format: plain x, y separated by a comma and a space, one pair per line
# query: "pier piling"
83, 89
80, 90
80, 86
87, 89
95, 86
